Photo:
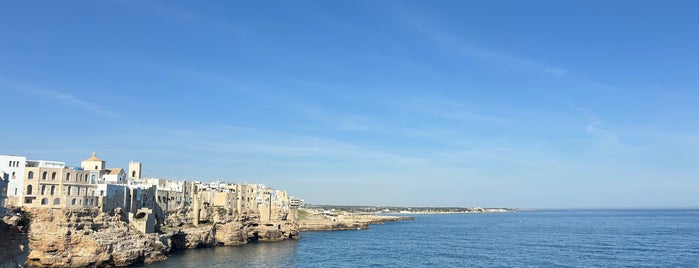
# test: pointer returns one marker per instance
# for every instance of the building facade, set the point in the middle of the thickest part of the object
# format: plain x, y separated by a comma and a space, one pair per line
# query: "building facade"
13, 175
52, 184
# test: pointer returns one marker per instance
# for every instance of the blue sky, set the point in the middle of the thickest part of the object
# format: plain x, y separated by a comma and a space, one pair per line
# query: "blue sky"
533, 104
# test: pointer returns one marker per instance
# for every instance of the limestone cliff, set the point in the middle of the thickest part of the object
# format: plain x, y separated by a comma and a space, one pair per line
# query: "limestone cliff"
89, 238
14, 245
86, 237
222, 228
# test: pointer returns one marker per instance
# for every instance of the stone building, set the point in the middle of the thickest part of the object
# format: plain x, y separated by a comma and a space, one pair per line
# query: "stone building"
134, 170
93, 163
52, 184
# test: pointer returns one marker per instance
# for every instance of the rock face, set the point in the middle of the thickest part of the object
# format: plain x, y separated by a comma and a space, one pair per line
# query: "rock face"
85, 237
89, 238
14, 244
229, 233
222, 228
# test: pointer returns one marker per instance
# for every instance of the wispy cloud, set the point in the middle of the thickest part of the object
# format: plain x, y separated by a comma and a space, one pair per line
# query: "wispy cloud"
594, 126
59, 97
489, 56
442, 107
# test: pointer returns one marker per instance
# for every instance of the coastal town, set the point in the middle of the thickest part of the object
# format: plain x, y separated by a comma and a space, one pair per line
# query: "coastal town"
147, 201
95, 215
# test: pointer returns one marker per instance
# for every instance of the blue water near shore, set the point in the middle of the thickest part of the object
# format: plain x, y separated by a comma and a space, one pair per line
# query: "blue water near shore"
574, 238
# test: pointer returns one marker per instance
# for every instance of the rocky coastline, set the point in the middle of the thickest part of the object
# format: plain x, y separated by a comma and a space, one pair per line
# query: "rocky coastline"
334, 218
89, 238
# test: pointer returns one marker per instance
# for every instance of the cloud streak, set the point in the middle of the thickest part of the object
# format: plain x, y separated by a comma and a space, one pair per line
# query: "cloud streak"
485, 55
448, 109
60, 97
594, 127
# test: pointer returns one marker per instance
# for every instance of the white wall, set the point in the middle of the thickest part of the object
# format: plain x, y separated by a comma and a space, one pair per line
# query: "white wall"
14, 165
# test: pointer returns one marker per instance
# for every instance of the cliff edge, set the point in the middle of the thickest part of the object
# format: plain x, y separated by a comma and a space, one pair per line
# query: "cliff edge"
86, 237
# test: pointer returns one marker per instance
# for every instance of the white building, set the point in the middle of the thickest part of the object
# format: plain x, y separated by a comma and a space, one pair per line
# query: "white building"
113, 196
3, 191
114, 176
13, 173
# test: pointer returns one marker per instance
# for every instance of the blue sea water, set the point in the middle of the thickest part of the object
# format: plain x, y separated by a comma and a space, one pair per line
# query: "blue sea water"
573, 238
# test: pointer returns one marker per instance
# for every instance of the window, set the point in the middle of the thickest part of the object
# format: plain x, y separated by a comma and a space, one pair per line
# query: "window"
45, 201
43, 189
13, 174
31, 175
53, 176
53, 188
72, 202
95, 167
15, 191
67, 176
57, 201
133, 174
43, 175
69, 192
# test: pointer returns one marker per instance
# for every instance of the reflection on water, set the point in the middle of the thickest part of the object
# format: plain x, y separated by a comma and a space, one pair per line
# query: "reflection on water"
271, 254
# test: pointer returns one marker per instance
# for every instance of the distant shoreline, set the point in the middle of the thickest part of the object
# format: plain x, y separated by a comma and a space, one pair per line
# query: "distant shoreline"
410, 210
327, 218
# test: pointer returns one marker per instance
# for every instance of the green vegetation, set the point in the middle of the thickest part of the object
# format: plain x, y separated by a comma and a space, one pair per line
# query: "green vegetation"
221, 211
302, 215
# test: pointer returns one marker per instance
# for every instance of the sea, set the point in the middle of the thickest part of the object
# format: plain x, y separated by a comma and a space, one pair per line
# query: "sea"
541, 238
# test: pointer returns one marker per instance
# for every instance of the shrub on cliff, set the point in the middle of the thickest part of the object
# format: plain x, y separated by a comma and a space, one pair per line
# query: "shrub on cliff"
25, 217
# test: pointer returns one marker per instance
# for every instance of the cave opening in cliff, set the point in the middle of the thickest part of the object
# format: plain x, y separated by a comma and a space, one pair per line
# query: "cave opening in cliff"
254, 238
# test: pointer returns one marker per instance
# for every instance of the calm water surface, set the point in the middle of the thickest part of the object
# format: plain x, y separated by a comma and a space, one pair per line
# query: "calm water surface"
590, 238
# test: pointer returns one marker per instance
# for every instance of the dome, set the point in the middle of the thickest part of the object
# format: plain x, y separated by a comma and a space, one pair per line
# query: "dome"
93, 158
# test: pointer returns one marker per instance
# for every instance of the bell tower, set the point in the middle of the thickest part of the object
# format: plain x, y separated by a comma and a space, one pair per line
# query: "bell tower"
134, 170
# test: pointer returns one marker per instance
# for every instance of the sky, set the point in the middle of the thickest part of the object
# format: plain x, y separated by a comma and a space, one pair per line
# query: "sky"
528, 104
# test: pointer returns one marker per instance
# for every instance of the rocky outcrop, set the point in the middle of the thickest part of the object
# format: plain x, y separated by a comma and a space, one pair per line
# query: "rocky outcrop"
190, 238
314, 220
230, 233
86, 237
89, 238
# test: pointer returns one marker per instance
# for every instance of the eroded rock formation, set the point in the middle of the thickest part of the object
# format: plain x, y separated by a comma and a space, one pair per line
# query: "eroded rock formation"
89, 238
86, 237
